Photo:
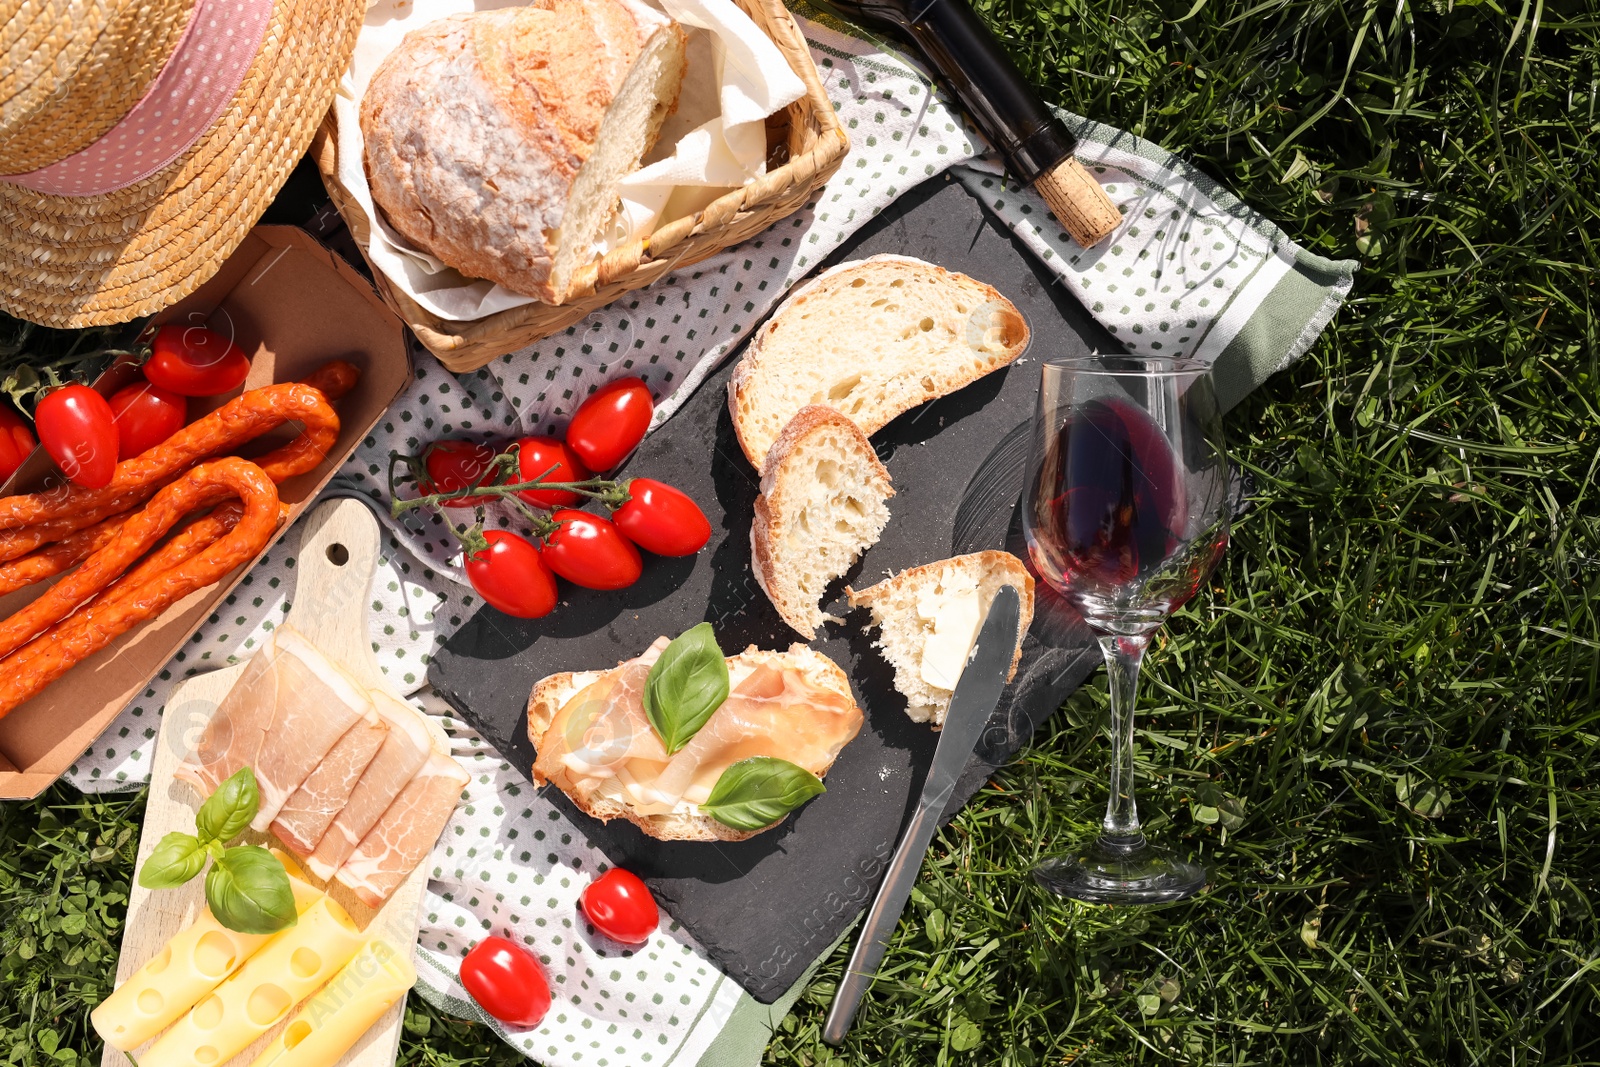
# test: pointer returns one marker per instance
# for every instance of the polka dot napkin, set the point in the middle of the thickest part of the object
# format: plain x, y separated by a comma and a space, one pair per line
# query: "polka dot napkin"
1191, 271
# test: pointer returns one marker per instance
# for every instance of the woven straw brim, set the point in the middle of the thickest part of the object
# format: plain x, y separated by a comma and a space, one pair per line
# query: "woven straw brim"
90, 261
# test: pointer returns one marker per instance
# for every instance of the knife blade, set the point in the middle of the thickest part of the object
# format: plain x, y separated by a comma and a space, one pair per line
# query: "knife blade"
977, 692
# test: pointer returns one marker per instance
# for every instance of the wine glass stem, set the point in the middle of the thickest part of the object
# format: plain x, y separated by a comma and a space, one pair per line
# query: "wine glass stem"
1123, 656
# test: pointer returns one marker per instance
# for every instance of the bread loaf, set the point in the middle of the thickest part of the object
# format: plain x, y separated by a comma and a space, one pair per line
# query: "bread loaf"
870, 339
821, 505
928, 618
496, 140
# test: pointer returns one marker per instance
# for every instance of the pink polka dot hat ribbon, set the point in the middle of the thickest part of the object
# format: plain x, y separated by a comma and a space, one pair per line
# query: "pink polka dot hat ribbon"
201, 76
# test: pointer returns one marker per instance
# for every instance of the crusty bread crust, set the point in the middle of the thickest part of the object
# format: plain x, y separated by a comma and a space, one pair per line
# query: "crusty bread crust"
745, 375
477, 125
985, 562
550, 695
767, 529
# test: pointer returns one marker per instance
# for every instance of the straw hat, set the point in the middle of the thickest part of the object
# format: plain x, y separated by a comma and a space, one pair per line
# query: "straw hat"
141, 139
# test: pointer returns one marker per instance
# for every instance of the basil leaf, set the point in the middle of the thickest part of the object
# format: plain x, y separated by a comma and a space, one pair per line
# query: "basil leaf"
687, 684
229, 810
758, 791
248, 891
176, 859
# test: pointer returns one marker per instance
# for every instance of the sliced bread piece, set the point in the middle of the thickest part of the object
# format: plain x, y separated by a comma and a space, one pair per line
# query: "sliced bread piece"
821, 506
928, 619
684, 823
870, 339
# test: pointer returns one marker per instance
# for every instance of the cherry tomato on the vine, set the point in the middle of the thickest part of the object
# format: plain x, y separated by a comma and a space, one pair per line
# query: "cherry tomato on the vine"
510, 575
507, 981
611, 423
146, 415
194, 361
16, 441
455, 465
551, 460
590, 551
79, 431
661, 519
621, 907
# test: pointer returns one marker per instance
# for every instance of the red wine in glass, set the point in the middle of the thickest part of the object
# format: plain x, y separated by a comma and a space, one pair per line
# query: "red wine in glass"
1126, 515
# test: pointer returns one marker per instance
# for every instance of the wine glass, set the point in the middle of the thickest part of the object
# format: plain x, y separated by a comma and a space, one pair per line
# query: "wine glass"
1125, 510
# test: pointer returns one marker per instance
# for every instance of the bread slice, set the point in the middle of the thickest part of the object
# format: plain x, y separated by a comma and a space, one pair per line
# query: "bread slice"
497, 140
551, 694
821, 506
904, 630
870, 339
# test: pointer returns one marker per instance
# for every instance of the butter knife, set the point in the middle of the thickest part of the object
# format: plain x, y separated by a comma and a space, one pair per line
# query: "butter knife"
982, 681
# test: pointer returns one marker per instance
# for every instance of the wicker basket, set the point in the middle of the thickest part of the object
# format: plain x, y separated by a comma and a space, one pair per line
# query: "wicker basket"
805, 144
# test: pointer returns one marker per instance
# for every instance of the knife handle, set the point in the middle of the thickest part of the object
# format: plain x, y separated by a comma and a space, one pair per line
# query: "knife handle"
883, 917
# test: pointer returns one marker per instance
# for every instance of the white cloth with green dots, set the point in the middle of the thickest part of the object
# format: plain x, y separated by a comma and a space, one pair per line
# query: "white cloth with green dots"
1192, 271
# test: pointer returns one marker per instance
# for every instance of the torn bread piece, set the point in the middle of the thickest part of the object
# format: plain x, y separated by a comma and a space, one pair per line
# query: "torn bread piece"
870, 339
596, 742
928, 619
822, 504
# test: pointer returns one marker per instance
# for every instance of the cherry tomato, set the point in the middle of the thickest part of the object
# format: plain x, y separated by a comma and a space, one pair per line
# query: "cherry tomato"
590, 551
611, 423
146, 415
79, 431
507, 981
16, 441
621, 907
661, 519
194, 361
510, 575
536, 456
454, 465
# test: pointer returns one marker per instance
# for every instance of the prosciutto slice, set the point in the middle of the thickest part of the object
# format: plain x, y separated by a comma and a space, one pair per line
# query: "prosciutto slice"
403, 753
306, 816
405, 834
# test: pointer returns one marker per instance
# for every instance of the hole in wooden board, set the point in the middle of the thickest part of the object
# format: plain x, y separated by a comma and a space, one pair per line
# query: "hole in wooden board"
338, 555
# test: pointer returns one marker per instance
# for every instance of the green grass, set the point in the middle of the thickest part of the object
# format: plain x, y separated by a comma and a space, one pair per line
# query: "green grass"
1377, 727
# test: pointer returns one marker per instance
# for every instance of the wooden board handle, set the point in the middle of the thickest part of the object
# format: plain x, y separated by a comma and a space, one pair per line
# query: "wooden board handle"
1078, 202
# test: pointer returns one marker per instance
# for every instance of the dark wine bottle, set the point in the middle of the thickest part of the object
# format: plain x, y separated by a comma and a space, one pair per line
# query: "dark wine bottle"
1036, 147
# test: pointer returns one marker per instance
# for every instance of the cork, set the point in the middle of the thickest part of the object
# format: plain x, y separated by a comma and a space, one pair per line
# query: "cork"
1078, 202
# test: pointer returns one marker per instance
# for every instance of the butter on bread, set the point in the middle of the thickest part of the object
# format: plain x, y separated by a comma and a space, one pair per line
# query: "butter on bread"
928, 619
552, 694
822, 504
870, 339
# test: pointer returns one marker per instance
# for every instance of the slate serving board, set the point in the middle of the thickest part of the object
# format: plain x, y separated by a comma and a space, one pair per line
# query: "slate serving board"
765, 908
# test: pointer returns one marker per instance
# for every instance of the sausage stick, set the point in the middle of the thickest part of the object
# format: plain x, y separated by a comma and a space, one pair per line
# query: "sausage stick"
125, 604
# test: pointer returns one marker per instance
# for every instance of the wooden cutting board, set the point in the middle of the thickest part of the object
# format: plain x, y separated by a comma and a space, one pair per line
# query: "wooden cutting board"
763, 909
333, 568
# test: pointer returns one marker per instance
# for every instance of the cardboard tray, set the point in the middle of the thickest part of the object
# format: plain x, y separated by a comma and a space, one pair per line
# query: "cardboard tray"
763, 909
291, 305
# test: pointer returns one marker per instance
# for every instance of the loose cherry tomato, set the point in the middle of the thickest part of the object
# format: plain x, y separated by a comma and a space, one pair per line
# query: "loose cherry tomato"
621, 907
194, 361
454, 465
79, 431
146, 415
16, 441
506, 981
590, 551
661, 519
611, 423
552, 460
510, 575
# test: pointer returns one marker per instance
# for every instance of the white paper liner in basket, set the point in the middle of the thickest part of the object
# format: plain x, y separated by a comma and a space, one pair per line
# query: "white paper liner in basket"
714, 141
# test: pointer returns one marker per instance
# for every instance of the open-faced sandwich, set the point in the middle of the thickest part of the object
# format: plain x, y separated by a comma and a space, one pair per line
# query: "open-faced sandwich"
689, 745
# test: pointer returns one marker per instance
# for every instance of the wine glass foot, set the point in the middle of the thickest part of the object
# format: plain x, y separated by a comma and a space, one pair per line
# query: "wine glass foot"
1120, 870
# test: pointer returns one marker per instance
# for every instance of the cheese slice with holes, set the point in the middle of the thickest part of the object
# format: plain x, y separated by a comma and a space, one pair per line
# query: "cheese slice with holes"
188, 967
332, 1021
262, 992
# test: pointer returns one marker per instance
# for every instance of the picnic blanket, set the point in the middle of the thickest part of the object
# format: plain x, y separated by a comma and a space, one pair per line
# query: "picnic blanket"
1192, 271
